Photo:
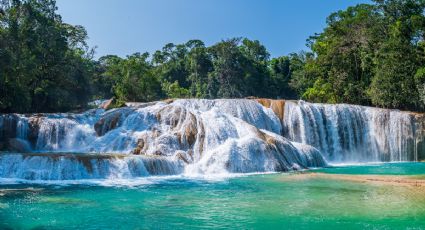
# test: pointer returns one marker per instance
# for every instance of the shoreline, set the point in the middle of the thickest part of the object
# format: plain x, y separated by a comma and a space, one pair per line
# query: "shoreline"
410, 181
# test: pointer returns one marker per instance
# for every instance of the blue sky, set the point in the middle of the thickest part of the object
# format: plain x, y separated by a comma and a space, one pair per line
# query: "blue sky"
127, 26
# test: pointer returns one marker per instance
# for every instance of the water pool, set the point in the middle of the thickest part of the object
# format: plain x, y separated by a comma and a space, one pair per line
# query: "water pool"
264, 201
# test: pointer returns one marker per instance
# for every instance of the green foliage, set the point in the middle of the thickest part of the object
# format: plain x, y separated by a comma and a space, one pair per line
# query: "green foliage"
228, 71
199, 64
394, 84
44, 62
173, 90
321, 91
420, 84
239, 69
369, 54
345, 52
134, 78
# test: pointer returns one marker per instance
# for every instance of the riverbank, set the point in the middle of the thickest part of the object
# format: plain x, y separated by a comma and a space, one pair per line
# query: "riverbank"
410, 181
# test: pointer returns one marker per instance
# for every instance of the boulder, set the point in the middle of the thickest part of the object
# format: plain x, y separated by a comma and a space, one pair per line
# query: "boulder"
106, 104
18, 145
34, 127
111, 120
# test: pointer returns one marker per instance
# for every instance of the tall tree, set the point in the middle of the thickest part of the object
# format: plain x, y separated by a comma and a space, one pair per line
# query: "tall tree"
199, 65
399, 57
44, 59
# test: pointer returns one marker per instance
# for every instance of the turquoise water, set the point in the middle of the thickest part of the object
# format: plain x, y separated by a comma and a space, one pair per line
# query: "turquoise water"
403, 168
273, 201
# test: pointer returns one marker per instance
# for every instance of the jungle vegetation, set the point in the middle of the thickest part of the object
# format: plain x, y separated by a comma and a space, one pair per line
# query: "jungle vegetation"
368, 54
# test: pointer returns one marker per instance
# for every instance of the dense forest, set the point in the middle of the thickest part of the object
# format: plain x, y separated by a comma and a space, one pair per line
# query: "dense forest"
368, 54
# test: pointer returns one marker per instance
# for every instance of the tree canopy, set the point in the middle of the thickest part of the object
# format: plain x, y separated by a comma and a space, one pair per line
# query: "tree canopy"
368, 54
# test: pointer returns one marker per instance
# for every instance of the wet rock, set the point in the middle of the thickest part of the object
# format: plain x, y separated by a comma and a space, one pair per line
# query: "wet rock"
183, 156
34, 128
139, 148
18, 145
111, 120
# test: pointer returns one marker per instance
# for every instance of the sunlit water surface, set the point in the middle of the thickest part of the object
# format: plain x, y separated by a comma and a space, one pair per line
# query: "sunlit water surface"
246, 202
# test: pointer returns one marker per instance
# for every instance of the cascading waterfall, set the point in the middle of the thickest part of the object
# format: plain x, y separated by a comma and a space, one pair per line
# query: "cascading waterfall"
190, 137
22, 128
203, 137
54, 166
349, 133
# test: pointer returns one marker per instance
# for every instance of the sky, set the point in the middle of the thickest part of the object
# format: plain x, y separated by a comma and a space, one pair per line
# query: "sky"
123, 27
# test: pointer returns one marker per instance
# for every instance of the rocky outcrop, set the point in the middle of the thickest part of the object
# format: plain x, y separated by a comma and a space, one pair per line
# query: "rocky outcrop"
111, 120
106, 104
34, 128
278, 106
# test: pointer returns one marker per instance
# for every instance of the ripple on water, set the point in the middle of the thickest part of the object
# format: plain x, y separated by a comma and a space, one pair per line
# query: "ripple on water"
294, 201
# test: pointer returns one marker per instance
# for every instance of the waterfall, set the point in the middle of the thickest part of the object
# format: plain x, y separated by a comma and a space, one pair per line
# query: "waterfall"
74, 166
203, 137
22, 128
190, 137
350, 133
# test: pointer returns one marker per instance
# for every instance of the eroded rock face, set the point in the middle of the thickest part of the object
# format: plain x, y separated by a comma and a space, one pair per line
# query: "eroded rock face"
178, 129
278, 106
34, 128
111, 120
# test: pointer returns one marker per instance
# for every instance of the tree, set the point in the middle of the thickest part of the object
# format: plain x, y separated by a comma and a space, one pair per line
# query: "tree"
256, 74
400, 56
134, 79
199, 65
239, 68
368, 54
345, 52
420, 84
44, 61
228, 71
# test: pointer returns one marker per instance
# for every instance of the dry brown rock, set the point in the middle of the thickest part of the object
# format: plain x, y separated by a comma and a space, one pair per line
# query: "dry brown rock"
278, 106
